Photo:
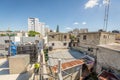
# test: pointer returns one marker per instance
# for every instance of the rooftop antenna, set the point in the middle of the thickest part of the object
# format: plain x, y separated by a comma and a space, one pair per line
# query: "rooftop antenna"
107, 3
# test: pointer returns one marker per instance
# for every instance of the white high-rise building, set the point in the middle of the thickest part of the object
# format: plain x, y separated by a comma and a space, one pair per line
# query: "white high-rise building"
35, 25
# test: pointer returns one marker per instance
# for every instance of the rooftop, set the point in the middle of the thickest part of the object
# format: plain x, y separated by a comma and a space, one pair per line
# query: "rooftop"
97, 33
113, 46
107, 76
65, 55
53, 33
68, 65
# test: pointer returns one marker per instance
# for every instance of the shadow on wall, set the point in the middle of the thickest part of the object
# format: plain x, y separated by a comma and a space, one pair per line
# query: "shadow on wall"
23, 76
76, 54
4, 68
4, 71
4, 65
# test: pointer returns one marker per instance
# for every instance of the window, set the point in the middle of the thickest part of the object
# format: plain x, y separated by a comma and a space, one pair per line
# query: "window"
53, 44
6, 49
90, 49
7, 41
104, 36
78, 40
65, 36
52, 36
64, 44
84, 37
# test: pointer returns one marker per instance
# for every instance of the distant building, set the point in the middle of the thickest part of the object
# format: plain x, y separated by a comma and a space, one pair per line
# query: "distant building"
22, 33
58, 40
75, 31
88, 41
35, 25
84, 30
5, 40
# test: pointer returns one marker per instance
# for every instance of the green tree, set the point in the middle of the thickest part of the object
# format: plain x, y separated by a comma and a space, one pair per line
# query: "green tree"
3, 35
33, 33
72, 37
57, 29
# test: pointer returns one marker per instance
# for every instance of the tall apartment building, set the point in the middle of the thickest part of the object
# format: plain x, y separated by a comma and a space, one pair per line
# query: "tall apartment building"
35, 25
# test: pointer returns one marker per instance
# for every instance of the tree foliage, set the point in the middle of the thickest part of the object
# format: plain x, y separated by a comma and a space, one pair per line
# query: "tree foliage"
115, 31
72, 37
33, 33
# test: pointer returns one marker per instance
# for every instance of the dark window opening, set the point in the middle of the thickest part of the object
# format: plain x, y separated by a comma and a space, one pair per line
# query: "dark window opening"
64, 44
91, 49
7, 41
6, 49
78, 40
65, 37
84, 37
53, 44
74, 45
52, 36
88, 49
104, 36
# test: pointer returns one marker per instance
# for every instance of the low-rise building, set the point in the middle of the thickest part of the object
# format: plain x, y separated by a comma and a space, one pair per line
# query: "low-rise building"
108, 57
5, 42
70, 70
88, 41
58, 40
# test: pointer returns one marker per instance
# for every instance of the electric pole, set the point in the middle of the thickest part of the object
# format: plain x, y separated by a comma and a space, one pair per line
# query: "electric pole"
107, 3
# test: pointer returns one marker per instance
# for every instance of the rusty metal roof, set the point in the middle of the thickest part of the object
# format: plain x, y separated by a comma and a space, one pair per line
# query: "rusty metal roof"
107, 76
68, 65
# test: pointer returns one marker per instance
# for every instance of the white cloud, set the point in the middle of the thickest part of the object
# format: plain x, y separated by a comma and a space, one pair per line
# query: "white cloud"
76, 23
105, 2
68, 28
84, 23
91, 4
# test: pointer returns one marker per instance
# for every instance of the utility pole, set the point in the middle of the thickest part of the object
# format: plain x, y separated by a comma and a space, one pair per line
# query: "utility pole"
9, 49
59, 70
107, 3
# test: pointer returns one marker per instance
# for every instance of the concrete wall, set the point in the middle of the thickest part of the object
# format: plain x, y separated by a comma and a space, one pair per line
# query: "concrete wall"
93, 39
52, 36
59, 44
73, 73
107, 38
18, 64
108, 58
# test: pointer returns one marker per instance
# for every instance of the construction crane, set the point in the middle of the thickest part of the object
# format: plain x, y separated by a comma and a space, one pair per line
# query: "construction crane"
106, 3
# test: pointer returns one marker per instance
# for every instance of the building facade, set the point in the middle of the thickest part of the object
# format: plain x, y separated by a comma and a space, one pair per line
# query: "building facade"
88, 41
58, 40
108, 58
35, 25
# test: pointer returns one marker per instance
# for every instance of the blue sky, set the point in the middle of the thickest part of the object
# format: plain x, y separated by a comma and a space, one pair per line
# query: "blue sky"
68, 14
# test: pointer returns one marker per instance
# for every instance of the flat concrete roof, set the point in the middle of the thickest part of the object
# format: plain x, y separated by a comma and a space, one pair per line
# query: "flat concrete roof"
112, 46
65, 56
97, 33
